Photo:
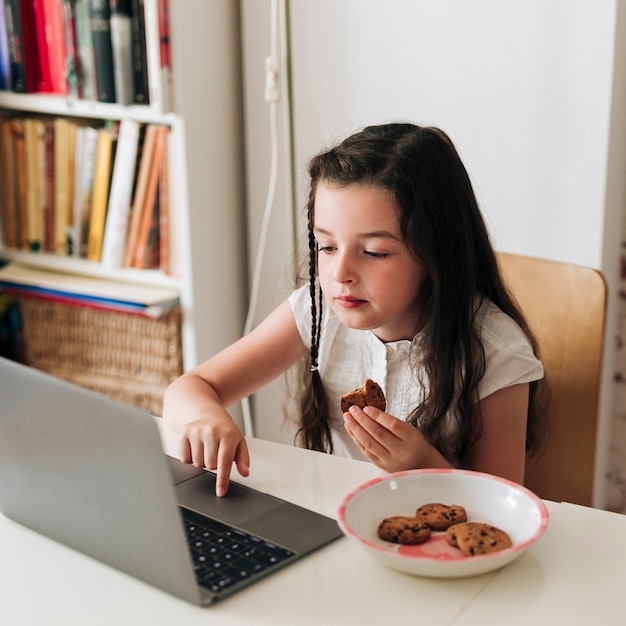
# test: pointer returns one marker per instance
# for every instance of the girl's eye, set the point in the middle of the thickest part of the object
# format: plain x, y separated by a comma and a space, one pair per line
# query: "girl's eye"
376, 255
326, 249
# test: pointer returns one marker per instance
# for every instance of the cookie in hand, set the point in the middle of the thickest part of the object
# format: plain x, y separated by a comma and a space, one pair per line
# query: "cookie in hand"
370, 394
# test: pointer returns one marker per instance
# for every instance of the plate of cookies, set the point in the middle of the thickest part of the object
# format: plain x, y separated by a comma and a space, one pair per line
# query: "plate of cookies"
443, 523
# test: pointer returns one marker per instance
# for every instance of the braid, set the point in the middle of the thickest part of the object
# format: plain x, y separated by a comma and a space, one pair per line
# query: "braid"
315, 326
315, 427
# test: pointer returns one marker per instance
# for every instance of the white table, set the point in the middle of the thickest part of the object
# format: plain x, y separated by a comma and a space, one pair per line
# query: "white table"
573, 575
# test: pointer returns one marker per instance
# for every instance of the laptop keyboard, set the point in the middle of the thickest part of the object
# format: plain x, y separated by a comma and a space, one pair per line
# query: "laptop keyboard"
224, 556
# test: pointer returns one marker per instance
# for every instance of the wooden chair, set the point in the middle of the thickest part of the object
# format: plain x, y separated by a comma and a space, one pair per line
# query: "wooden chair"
565, 306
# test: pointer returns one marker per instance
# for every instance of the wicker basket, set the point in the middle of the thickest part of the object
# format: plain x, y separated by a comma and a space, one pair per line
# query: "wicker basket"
126, 356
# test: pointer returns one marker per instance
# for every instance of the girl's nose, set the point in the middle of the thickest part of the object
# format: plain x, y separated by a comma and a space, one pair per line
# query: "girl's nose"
344, 268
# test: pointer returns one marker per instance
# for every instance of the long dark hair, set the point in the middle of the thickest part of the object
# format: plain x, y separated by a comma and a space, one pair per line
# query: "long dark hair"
442, 225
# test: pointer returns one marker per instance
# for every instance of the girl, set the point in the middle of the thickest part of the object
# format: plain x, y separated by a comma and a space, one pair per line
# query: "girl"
403, 289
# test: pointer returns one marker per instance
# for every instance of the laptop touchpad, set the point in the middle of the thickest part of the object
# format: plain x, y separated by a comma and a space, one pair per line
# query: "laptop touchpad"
236, 507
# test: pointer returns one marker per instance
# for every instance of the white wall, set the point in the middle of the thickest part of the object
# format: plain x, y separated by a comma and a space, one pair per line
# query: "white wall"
522, 87
528, 90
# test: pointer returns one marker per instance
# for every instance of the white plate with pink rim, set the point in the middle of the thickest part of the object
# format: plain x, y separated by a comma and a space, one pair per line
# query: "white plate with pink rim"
486, 498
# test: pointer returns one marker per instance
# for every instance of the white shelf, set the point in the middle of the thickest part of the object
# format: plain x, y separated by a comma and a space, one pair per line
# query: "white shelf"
72, 265
61, 105
207, 173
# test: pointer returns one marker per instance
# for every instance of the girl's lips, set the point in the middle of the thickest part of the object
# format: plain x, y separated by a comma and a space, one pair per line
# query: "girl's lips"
348, 302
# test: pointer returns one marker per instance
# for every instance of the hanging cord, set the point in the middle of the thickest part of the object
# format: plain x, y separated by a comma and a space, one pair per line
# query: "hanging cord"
272, 96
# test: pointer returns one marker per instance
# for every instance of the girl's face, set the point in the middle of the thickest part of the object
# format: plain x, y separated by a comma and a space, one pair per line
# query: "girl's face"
368, 275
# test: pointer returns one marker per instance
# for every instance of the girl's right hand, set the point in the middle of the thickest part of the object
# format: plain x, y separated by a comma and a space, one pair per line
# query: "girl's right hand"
215, 443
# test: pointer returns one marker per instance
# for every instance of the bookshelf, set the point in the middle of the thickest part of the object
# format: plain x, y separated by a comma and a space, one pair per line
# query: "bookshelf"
206, 186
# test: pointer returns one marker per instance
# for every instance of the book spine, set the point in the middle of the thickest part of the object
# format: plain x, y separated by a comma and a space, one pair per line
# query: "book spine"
21, 214
64, 137
164, 209
40, 157
7, 173
121, 41
5, 63
141, 86
147, 240
74, 232
37, 18
85, 57
116, 226
103, 50
31, 130
149, 248
101, 184
159, 69
139, 194
164, 33
48, 216
85, 173
36, 52
31, 54
173, 216
17, 51
71, 85
57, 44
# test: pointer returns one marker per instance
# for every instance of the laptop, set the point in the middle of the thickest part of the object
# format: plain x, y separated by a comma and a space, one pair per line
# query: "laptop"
90, 472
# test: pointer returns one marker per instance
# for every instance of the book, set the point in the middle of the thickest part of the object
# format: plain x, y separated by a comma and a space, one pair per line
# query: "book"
57, 44
147, 256
100, 196
157, 49
141, 86
8, 191
35, 18
83, 188
73, 232
5, 63
34, 133
164, 33
31, 53
19, 156
120, 196
49, 51
71, 85
85, 71
64, 152
121, 42
48, 215
33, 49
86, 289
173, 217
146, 253
139, 193
17, 50
102, 50
164, 209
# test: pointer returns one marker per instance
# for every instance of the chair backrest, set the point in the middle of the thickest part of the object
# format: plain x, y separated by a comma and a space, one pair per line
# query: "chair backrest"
565, 306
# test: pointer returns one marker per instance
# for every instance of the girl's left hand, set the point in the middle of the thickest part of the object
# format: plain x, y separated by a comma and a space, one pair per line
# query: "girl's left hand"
388, 442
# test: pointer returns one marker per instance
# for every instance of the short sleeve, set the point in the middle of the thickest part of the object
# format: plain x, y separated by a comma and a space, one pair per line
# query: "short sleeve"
509, 356
300, 301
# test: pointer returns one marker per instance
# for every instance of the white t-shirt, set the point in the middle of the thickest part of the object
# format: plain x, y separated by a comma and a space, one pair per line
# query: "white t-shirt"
347, 357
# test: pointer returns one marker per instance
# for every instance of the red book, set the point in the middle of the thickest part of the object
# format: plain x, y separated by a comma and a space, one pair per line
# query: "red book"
50, 14
35, 49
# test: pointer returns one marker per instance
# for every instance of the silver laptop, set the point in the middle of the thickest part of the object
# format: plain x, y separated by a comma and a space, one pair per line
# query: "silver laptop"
90, 472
